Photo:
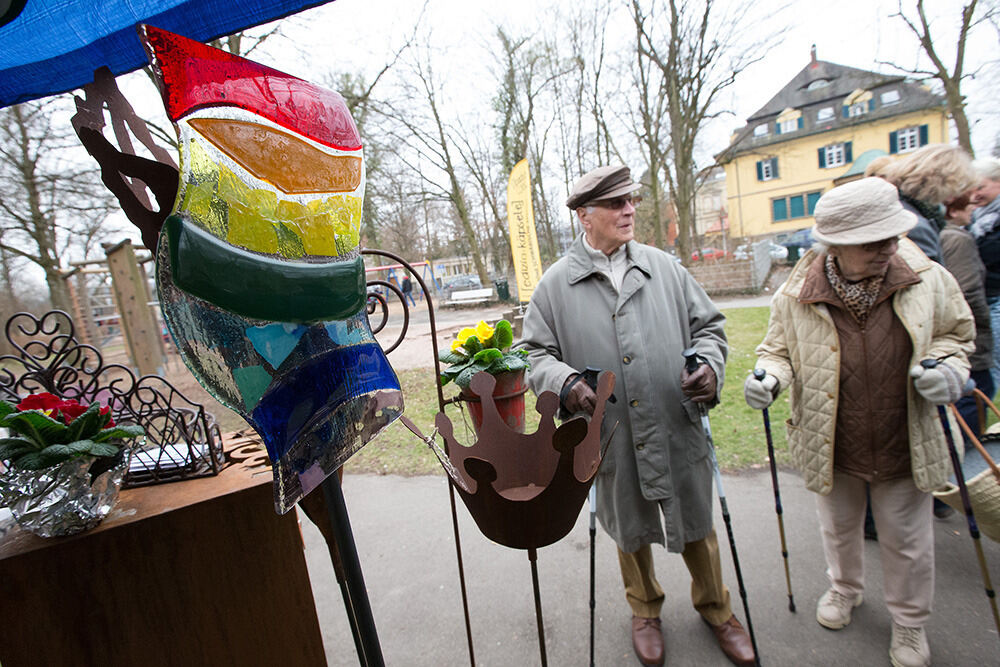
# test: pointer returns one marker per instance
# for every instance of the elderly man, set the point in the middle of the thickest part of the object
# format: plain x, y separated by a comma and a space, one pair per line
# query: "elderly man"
629, 308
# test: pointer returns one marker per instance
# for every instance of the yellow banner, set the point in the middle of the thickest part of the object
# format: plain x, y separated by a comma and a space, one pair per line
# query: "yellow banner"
523, 241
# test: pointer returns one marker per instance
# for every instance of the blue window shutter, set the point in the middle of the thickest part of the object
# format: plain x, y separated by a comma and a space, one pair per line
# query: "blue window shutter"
811, 200
777, 127
871, 104
774, 167
760, 170
797, 207
800, 122
779, 209
822, 158
923, 135
845, 111
848, 157
893, 142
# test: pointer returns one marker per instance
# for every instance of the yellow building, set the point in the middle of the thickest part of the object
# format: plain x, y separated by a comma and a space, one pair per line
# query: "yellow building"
820, 130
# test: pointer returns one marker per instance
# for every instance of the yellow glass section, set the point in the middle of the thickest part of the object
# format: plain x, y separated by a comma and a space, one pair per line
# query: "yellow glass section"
283, 159
224, 204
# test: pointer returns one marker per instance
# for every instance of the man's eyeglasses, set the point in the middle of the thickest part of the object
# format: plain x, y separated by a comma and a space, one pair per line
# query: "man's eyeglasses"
616, 203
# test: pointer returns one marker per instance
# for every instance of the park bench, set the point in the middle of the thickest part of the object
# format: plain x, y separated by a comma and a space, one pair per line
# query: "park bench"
470, 296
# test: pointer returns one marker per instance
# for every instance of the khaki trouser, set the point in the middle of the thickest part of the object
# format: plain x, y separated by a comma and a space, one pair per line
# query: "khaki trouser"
905, 528
708, 593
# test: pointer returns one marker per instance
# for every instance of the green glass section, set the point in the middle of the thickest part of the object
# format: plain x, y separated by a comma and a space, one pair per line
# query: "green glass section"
779, 209
797, 206
260, 287
252, 381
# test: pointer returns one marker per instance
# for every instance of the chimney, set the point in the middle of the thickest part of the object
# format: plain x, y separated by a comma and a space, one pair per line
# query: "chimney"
812, 53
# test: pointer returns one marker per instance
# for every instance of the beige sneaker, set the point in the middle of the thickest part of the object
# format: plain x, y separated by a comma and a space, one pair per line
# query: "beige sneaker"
909, 647
834, 609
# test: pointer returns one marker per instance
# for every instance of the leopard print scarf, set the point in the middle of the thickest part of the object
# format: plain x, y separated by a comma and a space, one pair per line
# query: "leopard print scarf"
859, 297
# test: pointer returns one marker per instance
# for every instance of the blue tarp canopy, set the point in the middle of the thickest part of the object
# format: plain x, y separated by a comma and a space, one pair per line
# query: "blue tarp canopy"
54, 46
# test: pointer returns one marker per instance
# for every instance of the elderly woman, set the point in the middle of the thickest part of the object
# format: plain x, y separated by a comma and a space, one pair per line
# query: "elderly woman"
985, 228
848, 331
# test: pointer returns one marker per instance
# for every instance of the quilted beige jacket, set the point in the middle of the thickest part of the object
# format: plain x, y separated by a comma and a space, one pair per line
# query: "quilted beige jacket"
802, 351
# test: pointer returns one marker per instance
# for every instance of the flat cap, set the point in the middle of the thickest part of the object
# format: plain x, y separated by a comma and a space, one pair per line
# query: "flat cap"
601, 183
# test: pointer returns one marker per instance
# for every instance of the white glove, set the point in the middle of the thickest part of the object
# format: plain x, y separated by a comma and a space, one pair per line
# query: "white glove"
939, 385
760, 393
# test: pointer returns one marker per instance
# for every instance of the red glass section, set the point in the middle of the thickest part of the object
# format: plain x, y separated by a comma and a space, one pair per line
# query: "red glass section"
193, 75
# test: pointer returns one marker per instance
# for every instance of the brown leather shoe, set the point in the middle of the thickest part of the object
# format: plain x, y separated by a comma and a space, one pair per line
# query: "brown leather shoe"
735, 642
647, 638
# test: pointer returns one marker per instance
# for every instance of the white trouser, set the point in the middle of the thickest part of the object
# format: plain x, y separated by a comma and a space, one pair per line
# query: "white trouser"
905, 528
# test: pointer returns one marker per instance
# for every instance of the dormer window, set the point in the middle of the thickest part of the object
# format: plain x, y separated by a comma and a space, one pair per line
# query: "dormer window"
858, 103
787, 121
760, 130
817, 84
890, 97
859, 109
826, 113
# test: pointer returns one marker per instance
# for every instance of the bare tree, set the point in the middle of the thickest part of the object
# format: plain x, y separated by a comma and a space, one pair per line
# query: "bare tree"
52, 201
699, 49
950, 79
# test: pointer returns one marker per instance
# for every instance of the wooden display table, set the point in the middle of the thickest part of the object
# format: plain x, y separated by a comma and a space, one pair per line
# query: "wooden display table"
198, 572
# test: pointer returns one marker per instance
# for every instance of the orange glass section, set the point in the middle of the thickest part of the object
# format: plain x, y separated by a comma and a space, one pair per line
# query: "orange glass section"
267, 153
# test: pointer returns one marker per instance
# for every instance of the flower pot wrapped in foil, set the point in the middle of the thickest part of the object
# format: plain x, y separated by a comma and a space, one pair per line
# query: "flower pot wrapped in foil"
66, 498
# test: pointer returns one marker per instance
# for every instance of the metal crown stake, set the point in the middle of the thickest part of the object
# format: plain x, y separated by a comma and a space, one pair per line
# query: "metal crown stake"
760, 374
691, 362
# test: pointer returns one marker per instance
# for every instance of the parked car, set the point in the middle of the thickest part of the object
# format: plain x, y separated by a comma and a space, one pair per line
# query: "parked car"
459, 283
709, 253
778, 253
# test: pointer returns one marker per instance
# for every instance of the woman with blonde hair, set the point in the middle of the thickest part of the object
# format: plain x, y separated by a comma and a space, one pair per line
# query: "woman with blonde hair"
926, 179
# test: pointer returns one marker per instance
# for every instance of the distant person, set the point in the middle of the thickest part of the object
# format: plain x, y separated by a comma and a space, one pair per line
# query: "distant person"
961, 258
985, 228
926, 178
629, 308
847, 333
407, 288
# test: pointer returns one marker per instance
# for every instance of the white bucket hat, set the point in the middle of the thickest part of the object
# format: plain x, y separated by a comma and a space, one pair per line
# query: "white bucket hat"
862, 211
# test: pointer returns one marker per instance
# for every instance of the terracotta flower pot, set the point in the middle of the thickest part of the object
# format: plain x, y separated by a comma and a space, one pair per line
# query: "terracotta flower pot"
508, 394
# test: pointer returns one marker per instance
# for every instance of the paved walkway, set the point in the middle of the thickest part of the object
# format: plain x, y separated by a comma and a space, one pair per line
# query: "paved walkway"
404, 536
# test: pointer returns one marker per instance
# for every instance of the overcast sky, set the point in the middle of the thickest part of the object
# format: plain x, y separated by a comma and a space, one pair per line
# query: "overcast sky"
358, 34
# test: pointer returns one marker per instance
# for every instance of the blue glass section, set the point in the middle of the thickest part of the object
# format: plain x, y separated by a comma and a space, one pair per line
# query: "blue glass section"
275, 341
285, 413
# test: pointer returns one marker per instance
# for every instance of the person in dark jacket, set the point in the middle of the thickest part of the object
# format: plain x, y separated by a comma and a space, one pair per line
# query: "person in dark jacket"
985, 228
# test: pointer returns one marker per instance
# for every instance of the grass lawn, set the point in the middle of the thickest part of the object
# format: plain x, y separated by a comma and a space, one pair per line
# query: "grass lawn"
738, 431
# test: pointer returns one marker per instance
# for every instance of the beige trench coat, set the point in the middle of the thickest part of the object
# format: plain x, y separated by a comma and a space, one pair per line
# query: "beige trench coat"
801, 350
659, 453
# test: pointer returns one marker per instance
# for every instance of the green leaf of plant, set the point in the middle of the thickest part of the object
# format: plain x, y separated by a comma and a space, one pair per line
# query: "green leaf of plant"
32, 461
488, 356
81, 446
123, 431
104, 449
465, 377
472, 345
87, 424
503, 335
452, 357
6, 408
36, 426
13, 447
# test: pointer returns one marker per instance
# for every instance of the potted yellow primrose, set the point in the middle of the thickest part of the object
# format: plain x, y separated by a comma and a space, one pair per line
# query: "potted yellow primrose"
486, 348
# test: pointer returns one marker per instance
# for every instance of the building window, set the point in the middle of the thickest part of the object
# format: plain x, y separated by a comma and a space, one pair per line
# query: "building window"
818, 83
790, 125
760, 130
859, 109
907, 139
826, 113
835, 155
890, 97
794, 206
767, 170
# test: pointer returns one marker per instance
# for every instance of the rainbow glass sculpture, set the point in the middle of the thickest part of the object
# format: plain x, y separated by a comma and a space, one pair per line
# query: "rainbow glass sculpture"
258, 268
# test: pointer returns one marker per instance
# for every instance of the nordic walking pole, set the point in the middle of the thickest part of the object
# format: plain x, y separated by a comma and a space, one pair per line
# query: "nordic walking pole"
760, 374
966, 504
691, 364
592, 499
